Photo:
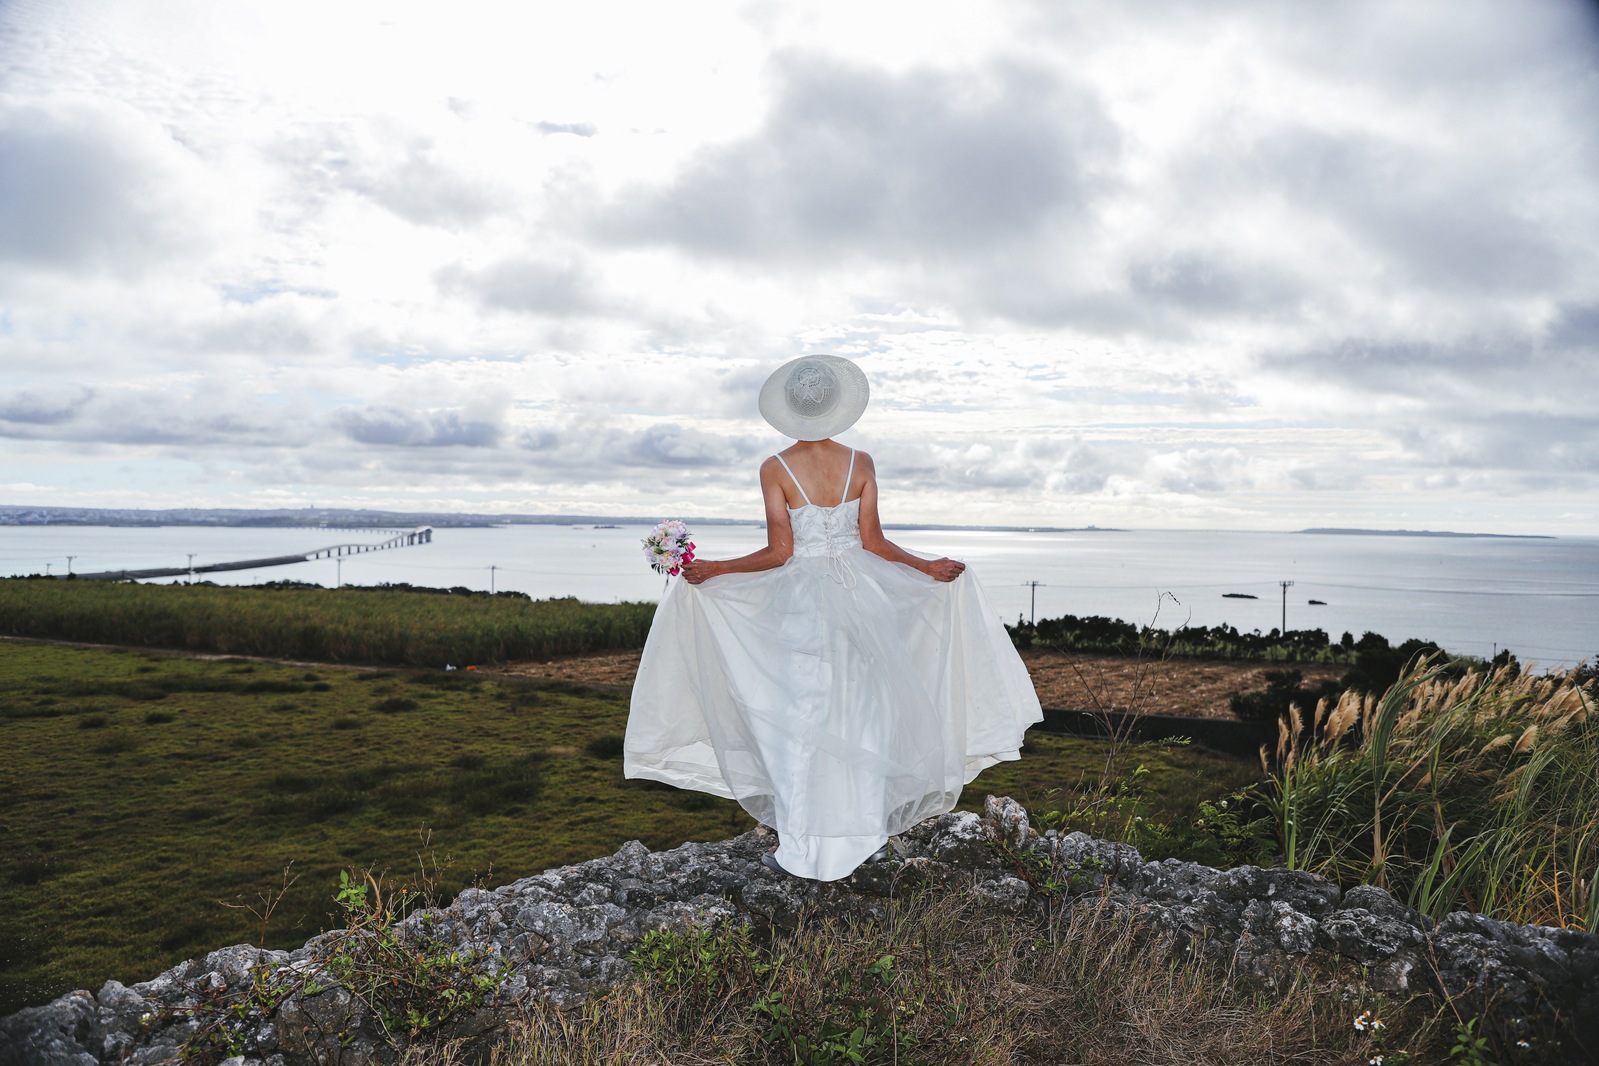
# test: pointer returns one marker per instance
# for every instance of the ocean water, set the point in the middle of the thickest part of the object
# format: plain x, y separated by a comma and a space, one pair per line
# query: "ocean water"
1539, 597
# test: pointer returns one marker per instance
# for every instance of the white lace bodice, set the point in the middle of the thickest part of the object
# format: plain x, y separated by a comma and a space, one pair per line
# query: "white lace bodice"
827, 531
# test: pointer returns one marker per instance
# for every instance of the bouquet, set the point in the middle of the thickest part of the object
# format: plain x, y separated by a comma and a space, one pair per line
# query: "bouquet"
667, 547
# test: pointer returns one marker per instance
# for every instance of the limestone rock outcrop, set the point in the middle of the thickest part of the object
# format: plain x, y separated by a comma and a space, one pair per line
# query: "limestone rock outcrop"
567, 932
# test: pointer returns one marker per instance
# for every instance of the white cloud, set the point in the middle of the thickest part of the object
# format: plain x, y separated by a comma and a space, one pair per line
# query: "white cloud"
1185, 264
89, 189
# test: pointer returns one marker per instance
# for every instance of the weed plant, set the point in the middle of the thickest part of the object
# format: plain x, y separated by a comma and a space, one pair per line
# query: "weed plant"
412, 982
398, 626
1476, 792
944, 979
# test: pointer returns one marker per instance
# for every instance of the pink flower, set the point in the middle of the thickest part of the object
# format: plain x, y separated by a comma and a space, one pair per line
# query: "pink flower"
667, 547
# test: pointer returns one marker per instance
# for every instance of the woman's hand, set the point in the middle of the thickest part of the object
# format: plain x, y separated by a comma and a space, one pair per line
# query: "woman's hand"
945, 569
699, 570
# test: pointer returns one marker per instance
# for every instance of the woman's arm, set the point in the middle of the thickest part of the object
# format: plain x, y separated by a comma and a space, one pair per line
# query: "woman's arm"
872, 538
779, 537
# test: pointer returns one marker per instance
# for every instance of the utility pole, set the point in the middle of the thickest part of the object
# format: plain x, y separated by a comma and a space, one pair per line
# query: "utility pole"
191, 567
338, 571
1033, 614
1286, 586
69, 564
491, 579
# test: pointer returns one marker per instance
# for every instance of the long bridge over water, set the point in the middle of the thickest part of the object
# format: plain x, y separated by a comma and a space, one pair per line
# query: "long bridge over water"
400, 538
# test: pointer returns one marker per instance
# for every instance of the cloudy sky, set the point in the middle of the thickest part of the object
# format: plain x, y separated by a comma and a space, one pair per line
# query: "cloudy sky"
1180, 263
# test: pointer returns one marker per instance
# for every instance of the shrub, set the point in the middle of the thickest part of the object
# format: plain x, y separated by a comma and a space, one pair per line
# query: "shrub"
492, 787
1284, 689
1378, 666
116, 743
1115, 637
608, 746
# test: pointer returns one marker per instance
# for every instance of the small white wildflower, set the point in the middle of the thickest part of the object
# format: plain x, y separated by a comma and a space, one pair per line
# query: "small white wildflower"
1523, 1043
1362, 1020
1377, 1024
1375, 1060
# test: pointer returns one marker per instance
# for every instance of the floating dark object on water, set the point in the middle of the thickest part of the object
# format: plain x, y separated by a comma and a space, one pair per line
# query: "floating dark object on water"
1318, 603
1239, 596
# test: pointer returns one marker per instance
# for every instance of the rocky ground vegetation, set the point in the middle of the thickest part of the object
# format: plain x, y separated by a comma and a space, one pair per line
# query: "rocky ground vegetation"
473, 975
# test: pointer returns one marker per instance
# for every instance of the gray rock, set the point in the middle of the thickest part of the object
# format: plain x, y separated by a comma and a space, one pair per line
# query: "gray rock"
566, 932
1008, 820
1373, 928
1008, 894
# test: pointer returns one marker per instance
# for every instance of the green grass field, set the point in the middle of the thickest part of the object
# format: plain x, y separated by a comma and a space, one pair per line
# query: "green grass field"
137, 790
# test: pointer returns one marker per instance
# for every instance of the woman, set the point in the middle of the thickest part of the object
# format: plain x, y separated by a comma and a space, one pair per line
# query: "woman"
837, 686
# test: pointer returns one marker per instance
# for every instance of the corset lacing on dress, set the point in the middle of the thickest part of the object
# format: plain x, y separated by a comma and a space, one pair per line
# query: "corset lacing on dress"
840, 528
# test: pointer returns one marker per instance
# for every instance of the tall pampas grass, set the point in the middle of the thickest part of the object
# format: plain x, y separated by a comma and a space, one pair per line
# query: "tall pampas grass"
1478, 792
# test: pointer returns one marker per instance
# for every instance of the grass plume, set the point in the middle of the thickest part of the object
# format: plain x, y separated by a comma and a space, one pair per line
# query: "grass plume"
1474, 792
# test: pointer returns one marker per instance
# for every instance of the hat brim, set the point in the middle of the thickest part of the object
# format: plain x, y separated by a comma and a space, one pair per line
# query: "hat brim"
855, 392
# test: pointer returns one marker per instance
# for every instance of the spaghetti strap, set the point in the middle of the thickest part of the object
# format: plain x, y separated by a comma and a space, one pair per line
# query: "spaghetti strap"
848, 477
796, 480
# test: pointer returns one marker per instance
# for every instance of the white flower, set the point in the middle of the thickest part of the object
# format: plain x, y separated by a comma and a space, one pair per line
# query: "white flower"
1375, 1060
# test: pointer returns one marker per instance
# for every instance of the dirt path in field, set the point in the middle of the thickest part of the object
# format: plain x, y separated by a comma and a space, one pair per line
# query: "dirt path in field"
1064, 682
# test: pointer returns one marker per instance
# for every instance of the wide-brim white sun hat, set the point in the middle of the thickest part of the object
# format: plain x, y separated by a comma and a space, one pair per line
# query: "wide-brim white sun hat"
814, 397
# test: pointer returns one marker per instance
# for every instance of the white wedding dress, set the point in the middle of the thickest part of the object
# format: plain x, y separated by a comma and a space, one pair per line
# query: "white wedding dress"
840, 698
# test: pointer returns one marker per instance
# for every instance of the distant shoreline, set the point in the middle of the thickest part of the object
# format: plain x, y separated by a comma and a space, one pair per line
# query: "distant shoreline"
1328, 531
337, 518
